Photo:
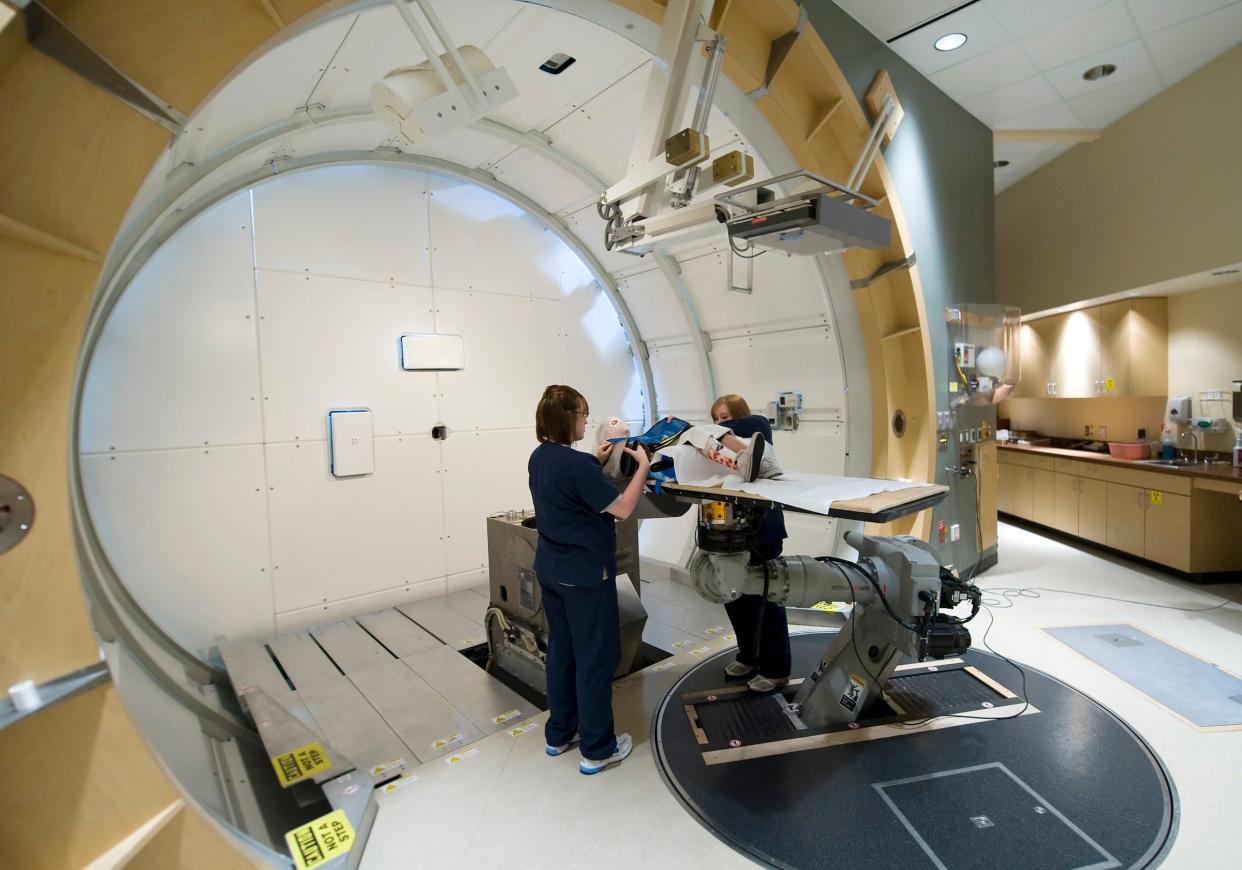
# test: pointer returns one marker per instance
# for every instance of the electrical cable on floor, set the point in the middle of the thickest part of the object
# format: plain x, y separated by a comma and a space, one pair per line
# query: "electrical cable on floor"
1009, 594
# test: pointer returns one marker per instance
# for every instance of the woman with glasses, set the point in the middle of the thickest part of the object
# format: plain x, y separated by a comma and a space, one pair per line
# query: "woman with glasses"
575, 561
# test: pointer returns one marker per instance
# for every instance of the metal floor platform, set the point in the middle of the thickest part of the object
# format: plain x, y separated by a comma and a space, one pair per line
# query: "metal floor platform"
388, 690
1057, 783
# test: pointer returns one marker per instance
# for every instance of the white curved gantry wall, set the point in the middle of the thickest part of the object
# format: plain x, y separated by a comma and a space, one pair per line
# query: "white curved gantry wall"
202, 436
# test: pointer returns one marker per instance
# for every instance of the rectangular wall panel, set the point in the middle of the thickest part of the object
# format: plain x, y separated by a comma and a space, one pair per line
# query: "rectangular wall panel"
759, 366
483, 242
177, 364
679, 382
785, 289
337, 539
513, 350
598, 359
484, 472
346, 221
186, 530
653, 305
335, 343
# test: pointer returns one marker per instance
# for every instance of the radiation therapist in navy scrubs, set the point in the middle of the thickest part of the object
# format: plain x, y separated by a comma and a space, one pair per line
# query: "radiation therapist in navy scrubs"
762, 629
575, 560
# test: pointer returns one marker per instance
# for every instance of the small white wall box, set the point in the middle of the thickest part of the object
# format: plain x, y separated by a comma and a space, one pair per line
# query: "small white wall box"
423, 352
351, 448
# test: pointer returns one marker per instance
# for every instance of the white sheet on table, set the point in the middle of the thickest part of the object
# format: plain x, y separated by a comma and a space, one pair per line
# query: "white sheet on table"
809, 492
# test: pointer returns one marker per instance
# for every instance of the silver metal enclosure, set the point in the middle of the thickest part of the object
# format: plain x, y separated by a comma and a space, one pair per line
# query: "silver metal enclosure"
517, 628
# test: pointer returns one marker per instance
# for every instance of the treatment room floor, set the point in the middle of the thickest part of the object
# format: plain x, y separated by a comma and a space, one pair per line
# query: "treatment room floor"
508, 804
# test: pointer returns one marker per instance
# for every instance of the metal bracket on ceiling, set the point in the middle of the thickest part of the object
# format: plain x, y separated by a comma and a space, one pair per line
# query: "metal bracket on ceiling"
890, 266
778, 52
52, 37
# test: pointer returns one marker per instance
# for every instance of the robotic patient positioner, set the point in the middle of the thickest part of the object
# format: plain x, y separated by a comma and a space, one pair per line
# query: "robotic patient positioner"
897, 587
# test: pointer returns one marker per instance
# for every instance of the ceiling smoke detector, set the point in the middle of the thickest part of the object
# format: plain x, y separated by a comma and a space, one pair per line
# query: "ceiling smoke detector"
950, 42
1102, 71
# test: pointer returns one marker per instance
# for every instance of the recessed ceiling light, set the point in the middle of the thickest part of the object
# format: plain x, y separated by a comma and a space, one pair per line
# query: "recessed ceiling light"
950, 41
1102, 71
999, 164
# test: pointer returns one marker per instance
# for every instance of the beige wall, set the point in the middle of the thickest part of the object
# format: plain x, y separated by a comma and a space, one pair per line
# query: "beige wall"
1205, 349
1205, 353
1157, 196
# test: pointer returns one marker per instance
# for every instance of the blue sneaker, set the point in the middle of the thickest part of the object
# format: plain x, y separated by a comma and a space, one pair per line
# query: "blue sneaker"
564, 747
625, 744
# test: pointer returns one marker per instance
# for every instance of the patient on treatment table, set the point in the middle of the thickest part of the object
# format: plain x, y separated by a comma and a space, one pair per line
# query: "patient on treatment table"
696, 454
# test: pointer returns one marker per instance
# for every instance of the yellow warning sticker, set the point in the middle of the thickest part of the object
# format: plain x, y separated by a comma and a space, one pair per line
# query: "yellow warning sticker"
664, 666
1155, 496
714, 630
506, 716
389, 765
729, 636
952, 386
400, 783
700, 650
682, 644
322, 840
300, 763
446, 741
829, 606
1110, 384
459, 757
622, 685
522, 729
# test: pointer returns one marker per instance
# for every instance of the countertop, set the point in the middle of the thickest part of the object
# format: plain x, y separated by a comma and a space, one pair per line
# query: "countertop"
1215, 472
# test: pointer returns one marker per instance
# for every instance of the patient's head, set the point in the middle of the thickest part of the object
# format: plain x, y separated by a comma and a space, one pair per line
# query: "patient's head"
730, 406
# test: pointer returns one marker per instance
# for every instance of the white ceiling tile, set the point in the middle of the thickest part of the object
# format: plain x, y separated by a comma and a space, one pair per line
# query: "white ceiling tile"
1153, 15
997, 69
1177, 71
1215, 31
1025, 96
1100, 108
1058, 116
1023, 17
1130, 59
892, 17
983, 34
1100, 28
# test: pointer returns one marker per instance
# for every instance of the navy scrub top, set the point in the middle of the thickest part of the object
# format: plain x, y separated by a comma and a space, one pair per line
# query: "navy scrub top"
774, 521
577, 540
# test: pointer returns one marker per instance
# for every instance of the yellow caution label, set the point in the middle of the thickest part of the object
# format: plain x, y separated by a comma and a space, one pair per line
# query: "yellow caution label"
952, 386
714, 630
1110, 384
390, 764
829, 606
506, 716
521, 729
460, 757
400, 783
729, 636
322, 840
1155, 496
300, 763
446, 741
682, 644
700, 650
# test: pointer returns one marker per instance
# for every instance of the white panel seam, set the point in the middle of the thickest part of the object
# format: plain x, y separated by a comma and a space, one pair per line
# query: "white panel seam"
262, 400
308, 274
523, 294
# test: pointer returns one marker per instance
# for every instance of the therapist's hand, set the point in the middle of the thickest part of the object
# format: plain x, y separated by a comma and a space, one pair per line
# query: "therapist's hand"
639, 455
603, 452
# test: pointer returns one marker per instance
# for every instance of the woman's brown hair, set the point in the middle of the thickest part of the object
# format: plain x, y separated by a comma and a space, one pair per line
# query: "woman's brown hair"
736, 405
554, 416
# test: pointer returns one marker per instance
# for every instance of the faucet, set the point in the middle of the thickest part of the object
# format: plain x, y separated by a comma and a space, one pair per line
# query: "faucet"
1196, 443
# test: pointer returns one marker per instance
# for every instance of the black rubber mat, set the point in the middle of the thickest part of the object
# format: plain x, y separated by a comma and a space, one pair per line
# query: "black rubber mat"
1070, 786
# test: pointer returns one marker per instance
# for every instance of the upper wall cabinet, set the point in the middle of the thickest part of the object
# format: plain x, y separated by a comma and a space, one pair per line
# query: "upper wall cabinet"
1113, 350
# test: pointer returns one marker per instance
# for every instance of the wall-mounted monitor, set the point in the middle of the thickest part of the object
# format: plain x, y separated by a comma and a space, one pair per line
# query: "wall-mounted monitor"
351, 446
427, 352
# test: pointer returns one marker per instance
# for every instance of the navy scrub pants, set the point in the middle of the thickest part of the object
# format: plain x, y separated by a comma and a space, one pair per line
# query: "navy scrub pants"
761, 627
584, 649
